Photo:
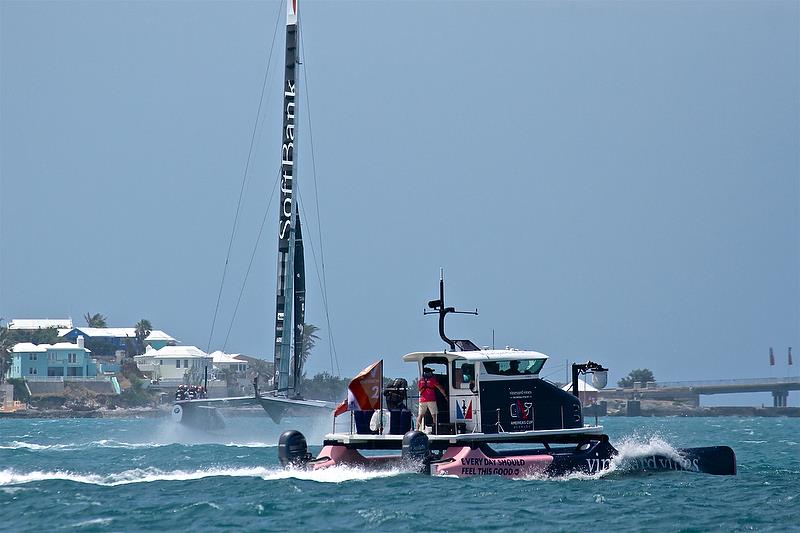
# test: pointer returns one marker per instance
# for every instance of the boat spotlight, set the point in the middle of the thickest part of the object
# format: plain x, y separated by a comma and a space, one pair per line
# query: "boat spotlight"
600, 379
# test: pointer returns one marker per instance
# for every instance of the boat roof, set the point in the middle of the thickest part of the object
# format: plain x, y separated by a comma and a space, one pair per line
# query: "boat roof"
508, 354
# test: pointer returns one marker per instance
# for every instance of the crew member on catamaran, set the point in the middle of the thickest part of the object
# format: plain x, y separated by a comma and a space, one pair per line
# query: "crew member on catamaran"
427, 397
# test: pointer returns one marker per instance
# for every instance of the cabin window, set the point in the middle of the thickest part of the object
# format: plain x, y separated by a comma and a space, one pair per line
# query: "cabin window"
33, 357
73, 358
515, 367
32, 370
185, 363
177, 363
463, 374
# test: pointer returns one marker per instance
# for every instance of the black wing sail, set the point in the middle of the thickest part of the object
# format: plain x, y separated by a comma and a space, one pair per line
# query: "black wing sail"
286, 209
299, 306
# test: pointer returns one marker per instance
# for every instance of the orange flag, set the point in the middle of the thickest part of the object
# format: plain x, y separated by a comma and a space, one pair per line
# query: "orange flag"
364, 391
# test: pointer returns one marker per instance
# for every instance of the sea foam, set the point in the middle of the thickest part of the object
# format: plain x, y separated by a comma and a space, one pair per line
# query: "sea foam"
150, 475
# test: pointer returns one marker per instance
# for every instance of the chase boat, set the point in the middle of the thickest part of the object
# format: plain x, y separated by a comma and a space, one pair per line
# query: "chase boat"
499, 417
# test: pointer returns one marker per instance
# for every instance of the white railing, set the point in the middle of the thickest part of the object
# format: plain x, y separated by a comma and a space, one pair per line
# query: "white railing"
61, 379
718, 382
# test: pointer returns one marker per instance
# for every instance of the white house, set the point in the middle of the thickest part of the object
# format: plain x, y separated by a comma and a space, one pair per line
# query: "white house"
228, 361
174, 363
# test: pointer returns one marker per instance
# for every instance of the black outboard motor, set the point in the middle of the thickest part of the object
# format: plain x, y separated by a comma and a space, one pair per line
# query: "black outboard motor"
293, 449
416, 452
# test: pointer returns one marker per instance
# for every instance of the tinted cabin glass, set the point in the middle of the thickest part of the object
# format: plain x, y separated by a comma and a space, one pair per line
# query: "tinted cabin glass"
463, 374
516, 367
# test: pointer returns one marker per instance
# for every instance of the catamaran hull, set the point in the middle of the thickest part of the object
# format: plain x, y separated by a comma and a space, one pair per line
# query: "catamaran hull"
204, 414
479, 459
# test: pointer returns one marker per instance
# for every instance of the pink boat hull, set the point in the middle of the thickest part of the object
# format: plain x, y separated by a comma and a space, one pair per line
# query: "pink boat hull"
458, 461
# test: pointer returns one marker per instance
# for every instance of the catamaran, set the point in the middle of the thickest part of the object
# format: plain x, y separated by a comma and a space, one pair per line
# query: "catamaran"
492, 399
286, 398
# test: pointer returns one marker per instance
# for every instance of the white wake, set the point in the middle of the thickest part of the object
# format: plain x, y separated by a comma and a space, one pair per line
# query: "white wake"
150, 475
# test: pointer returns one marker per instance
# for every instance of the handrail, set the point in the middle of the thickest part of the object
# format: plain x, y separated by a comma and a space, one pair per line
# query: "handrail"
789, 380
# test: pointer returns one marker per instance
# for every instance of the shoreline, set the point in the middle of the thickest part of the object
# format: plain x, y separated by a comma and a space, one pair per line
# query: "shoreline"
147, 412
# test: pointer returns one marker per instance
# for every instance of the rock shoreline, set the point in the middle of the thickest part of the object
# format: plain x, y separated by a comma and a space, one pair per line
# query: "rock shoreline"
149, 412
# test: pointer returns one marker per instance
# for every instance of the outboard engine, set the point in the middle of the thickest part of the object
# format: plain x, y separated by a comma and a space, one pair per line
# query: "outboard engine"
416, 452
293, 449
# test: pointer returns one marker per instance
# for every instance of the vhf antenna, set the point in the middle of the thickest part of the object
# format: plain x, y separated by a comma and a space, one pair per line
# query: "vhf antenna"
438, 307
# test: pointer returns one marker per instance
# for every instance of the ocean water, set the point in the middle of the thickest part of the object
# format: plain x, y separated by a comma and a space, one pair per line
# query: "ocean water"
145, 474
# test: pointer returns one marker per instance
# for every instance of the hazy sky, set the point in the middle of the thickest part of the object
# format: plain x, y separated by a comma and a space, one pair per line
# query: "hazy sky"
617, 181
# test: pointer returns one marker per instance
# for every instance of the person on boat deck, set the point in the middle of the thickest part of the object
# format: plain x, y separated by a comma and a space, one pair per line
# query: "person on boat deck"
427, 397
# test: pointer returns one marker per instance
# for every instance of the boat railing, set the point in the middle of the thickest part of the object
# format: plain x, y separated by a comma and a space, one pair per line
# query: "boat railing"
491, 416
788, 380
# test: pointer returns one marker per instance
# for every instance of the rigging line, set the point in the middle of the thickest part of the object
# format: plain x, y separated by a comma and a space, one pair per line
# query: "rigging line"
252, 257
244, 180
324, 281
557, 369
334, 358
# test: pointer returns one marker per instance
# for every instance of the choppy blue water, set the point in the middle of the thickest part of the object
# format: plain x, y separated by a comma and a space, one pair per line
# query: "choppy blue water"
144, 474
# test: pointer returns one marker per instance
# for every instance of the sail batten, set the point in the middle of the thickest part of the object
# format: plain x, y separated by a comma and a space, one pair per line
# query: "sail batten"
287, 209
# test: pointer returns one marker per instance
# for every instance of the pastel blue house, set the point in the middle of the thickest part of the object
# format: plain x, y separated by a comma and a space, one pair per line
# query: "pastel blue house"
61, 359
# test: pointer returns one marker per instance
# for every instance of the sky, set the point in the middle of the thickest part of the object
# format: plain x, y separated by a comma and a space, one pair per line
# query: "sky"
615, 181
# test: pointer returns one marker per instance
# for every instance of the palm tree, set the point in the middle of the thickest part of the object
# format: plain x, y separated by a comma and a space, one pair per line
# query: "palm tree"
262, 369
95, 320
5, 350
143, 329
310, 339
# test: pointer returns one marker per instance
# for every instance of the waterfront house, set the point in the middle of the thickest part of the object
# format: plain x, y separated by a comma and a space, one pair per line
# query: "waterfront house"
62, 359
158, 339
108, 341
229, 362
182, 364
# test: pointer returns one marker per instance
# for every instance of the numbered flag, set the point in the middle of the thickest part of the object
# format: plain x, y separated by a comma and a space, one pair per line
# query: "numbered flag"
364, 391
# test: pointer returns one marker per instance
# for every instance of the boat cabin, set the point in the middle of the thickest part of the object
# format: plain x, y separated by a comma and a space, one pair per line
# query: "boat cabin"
496, 391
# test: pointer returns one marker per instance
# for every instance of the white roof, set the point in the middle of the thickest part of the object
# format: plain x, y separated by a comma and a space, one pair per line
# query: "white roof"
158, 335
478, 355
582, 387
27, 347
222, 357
39, 323
177, 352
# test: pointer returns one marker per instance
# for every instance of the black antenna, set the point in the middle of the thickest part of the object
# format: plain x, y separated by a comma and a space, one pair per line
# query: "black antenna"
438, 307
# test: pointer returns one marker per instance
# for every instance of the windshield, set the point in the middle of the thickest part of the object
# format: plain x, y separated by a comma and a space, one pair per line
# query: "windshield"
515, 367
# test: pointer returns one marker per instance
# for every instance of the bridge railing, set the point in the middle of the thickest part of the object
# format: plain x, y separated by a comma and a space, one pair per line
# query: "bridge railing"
718, 382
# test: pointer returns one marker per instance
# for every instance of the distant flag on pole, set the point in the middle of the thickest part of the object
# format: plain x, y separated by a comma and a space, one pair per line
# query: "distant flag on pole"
771, 358
790, 356
364, 391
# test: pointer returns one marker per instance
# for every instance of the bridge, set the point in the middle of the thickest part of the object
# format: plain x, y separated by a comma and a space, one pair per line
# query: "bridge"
779, 387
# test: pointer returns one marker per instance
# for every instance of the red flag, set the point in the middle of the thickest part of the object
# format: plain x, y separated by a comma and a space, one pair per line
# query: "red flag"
341, 408
771, 358
364, 391
790, 356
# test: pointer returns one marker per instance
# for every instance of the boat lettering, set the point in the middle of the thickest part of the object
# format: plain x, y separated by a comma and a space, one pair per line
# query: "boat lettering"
483, 471
288, 152
596, 465
652, 462
485, 461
